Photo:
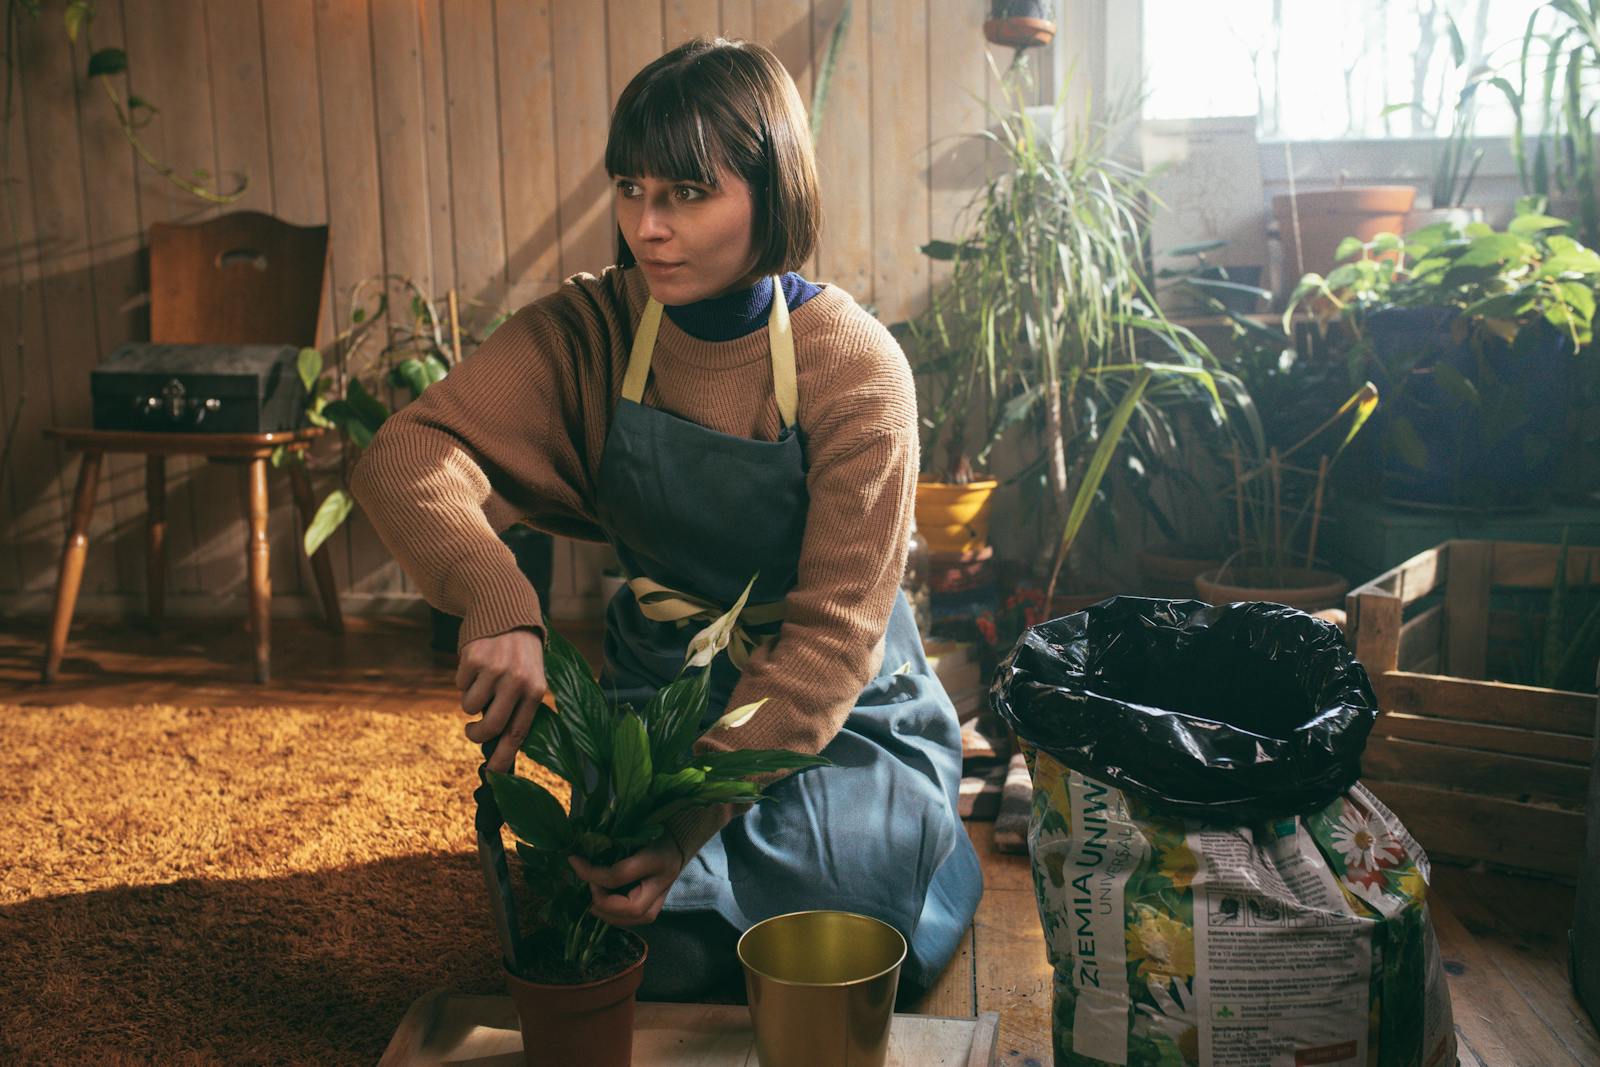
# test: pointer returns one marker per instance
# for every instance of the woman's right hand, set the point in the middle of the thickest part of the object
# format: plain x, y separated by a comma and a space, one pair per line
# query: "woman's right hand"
502, 677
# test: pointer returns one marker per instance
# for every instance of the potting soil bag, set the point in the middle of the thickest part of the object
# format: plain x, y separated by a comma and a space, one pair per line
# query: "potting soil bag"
1214, 885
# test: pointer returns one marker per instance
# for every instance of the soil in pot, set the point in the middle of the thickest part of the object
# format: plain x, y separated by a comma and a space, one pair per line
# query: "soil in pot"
566, 1022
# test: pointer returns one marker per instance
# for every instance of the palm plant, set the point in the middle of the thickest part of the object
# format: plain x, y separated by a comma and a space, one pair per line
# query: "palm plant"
1047, 317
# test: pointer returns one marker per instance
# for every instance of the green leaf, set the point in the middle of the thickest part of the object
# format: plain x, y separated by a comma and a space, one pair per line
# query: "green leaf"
1580, 297
941, 250
1386, 242
1406, 444
630, 767
744, 762
1531, 224
77, 15
309, 364
1577, 261
1090, 484
358, 315
373, 411
534, 815
579, 700
1453, 382
723, 792
1348, 247
672, 717
680, 783
330, 514
1493, 249
108, 61
549, 744
410, 374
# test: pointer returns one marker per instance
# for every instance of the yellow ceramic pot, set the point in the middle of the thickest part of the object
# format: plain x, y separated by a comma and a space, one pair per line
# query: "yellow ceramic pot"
954, 518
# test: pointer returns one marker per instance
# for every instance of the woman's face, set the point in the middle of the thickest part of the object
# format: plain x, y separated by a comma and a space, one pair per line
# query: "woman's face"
692, 240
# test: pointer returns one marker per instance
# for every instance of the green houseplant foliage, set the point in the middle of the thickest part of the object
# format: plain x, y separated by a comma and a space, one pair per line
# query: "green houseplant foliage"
414, 355
1551, 87
1046, 318
1510, 299
629, 772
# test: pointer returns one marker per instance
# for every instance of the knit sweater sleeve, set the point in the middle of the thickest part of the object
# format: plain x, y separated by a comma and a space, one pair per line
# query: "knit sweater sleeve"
504, 436
862, 450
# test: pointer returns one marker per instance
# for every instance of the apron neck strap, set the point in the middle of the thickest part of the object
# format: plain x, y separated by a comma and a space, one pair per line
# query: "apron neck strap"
780, 338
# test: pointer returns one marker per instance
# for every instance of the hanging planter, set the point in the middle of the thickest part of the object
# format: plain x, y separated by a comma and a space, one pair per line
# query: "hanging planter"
1020, 23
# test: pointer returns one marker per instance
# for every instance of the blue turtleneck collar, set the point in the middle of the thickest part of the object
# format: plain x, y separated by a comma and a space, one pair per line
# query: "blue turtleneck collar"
744, 311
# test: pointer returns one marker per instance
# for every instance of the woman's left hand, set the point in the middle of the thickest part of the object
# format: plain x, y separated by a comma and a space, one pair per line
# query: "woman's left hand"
654, 868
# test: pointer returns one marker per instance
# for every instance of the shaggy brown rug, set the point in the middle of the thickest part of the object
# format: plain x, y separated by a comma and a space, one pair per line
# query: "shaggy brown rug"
233, 885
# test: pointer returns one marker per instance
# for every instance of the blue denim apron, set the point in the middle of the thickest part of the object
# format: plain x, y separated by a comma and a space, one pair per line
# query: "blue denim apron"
699, 512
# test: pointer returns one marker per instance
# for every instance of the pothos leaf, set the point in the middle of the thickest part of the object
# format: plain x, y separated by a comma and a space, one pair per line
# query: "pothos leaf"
108, 61
330, 514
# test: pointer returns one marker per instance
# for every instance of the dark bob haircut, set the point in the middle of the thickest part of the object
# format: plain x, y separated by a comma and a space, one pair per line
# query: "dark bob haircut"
713, 104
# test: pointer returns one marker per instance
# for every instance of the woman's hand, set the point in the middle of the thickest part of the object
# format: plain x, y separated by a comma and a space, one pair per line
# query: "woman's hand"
653, 868
502, 677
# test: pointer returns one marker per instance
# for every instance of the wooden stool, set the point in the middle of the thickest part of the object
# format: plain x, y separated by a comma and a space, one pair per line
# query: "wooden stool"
251, 453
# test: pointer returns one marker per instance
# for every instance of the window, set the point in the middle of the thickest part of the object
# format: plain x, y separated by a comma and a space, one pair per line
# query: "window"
1310, 70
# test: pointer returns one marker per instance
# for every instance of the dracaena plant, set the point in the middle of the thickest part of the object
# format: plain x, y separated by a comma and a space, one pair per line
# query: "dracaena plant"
629, 772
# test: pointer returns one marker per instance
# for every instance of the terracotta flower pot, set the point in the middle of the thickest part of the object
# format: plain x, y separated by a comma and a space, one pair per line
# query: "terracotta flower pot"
590, 1023
954, 518
1298, 587
1327, 216
1019, 31
1169, 569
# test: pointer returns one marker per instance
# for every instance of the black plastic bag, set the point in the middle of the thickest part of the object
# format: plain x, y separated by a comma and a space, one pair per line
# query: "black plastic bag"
1239, 712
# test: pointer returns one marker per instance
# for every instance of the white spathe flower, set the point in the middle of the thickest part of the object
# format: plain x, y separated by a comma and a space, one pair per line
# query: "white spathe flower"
738, 716
705, 645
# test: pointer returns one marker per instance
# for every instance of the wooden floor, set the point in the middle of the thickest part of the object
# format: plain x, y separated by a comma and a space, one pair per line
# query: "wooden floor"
1503, 938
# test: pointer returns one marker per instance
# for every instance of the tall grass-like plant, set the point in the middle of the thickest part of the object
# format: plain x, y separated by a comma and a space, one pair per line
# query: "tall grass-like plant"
1047, 316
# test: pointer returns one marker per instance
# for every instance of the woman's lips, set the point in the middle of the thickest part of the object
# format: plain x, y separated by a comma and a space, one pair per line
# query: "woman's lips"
661, 267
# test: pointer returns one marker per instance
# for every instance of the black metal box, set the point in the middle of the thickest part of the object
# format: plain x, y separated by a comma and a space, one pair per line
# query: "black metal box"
199, 389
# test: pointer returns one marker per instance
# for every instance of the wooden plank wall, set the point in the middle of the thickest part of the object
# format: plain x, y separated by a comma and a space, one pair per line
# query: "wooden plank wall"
457, 142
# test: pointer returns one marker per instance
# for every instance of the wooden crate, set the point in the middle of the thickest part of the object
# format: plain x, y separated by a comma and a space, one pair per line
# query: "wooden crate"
1477, 770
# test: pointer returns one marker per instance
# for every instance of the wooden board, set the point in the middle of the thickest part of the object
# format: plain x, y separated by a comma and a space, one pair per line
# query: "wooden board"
1503, 832
444, 1027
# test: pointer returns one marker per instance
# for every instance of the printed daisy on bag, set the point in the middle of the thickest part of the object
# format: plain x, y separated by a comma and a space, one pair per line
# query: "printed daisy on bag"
1364, 841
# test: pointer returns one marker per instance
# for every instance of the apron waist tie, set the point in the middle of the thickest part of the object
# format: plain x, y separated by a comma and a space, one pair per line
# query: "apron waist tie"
660, 603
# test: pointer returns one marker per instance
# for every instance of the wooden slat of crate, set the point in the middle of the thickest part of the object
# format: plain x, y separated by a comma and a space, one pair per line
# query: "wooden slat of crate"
1499, 703
1540, 744
1518, 563
443, 1027
1420, 640
1474, 770
1459, 825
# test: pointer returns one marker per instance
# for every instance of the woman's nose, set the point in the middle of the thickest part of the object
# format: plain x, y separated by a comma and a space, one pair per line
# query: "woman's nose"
652, 224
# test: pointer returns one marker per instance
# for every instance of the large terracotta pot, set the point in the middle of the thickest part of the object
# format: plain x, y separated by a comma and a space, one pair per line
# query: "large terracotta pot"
1298, 587
954, 518
591, 1023
1169, 569
1327, 216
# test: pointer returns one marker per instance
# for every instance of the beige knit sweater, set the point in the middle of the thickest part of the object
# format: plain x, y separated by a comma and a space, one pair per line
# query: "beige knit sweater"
516, 433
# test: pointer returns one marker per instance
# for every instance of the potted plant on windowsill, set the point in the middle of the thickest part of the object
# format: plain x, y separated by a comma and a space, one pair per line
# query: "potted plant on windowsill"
1470, 333
1047, 325
1020, 23
628, 772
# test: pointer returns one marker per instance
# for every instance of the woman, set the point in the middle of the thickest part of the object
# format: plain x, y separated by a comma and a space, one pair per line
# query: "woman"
713, 416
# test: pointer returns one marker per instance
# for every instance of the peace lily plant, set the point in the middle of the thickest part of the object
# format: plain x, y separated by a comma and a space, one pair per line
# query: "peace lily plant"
629, 771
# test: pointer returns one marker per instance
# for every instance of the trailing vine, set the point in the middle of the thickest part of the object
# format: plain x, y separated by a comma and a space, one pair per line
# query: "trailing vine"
132, 114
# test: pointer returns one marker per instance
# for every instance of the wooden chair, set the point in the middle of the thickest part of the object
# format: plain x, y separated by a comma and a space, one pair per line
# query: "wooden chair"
243, 278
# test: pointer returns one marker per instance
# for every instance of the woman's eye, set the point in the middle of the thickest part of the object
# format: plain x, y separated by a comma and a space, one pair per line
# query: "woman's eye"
627, 188
688, 193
